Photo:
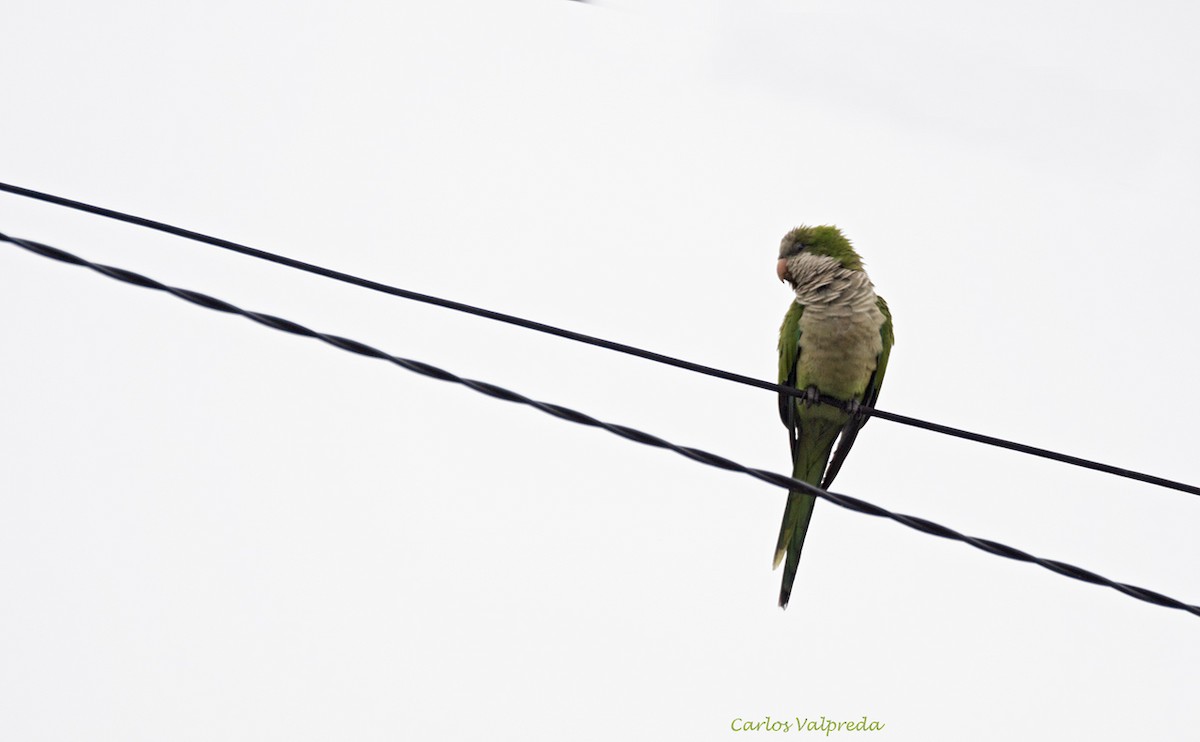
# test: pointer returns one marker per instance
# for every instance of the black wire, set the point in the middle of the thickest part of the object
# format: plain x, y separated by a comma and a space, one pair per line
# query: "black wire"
564, 413
599, 342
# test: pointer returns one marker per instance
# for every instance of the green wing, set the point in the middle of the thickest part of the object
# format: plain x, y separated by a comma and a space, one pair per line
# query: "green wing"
789, 350
850, 432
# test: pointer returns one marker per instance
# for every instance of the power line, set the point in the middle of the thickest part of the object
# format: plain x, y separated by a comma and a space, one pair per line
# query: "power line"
565, 413
598, 342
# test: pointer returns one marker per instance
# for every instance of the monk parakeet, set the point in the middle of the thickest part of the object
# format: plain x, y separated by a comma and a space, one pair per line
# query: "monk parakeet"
835, 341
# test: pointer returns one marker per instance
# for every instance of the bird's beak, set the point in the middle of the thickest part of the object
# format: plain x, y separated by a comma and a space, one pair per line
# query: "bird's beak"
781, 269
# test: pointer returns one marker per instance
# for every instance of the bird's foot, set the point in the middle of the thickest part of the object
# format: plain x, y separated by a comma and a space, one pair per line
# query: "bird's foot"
812, 396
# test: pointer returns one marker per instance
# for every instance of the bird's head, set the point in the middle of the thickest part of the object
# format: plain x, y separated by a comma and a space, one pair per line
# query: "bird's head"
827, 241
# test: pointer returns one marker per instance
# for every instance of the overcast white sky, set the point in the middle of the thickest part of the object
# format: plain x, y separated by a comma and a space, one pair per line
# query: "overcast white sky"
213, 531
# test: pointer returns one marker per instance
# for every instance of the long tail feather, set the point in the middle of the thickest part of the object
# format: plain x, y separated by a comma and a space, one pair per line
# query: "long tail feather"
810, 457
796, 517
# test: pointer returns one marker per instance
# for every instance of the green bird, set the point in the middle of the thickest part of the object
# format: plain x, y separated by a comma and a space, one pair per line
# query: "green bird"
835, 341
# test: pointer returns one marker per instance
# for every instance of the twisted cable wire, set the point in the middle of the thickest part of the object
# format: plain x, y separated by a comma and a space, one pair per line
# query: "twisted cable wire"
565, 413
